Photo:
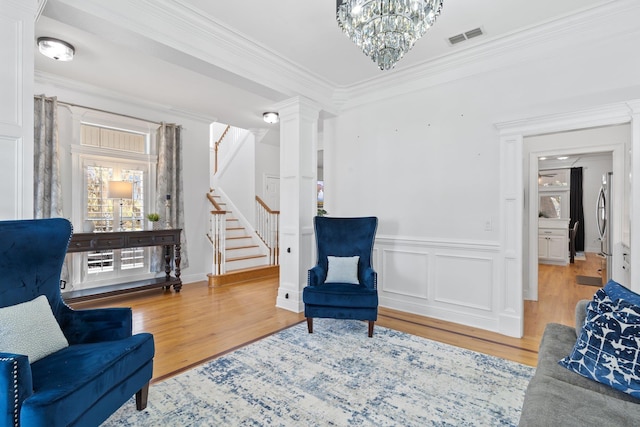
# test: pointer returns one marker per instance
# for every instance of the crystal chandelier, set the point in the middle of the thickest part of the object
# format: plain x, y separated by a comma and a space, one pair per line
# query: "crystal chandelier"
386, 29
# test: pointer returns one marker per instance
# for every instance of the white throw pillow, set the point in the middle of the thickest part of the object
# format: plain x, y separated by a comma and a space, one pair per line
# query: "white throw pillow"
30, 329
343, 269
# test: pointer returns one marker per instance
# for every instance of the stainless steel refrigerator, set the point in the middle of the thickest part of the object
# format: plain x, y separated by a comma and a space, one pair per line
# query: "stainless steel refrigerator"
603, 221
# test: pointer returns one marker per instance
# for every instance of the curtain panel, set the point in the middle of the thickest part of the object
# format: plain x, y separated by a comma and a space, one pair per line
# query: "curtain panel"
169, 184
576, 210
47, 188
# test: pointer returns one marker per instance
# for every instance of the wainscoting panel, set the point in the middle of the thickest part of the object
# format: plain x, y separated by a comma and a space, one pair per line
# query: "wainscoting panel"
456, 281
405, 273
464, 281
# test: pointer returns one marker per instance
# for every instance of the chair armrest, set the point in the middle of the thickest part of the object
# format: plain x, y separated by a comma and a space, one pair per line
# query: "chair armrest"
16, 384
370, 278
97, 325
316, 276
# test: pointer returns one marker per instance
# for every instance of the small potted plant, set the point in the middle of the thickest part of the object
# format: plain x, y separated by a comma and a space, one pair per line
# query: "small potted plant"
153, 220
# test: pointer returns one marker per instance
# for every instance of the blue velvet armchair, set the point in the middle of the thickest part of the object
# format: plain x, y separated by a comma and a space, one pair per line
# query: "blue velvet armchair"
343, 284
84, 382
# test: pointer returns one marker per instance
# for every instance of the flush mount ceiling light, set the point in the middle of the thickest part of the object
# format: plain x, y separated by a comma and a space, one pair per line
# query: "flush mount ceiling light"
386, 29
55, 49
270, 117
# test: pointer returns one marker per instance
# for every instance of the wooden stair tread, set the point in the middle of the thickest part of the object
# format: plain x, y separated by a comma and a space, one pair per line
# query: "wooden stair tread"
246, 257
242, 247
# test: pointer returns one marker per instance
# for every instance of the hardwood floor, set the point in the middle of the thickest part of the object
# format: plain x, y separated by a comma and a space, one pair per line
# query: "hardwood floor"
201, 323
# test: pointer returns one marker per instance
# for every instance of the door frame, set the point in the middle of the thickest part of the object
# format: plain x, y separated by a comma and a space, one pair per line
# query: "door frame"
515, 245
617, 160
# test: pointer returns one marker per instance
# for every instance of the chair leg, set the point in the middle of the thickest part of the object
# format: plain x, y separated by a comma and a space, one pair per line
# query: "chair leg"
141, 397
310, 324
371, 322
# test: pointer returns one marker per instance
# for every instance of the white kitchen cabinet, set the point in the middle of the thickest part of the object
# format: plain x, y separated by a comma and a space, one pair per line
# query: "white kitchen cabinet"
553, 242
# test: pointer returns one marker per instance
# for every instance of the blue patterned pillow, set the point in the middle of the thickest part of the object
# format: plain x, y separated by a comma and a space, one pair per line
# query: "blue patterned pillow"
608, 348
617, 291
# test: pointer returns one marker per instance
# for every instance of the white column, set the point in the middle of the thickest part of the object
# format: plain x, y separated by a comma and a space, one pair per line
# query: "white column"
634, 194
510, 304
16, 107
298, 204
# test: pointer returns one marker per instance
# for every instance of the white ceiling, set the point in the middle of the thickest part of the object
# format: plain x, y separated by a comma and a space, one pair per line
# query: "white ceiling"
114, 53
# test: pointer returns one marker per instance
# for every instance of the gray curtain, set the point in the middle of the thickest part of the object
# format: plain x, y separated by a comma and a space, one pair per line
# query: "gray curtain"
169, 182
47, 190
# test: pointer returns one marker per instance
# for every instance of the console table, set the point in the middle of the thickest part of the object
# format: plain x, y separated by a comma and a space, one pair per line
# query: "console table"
168, 238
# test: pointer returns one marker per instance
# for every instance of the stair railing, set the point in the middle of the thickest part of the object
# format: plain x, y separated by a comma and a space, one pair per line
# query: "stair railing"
218, 226
216, 145
267, 228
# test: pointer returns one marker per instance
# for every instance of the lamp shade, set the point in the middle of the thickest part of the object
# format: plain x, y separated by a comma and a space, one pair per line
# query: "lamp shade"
120, 190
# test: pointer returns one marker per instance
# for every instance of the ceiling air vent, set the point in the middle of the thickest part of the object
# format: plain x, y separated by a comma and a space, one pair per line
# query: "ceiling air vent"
473, 33
459, 38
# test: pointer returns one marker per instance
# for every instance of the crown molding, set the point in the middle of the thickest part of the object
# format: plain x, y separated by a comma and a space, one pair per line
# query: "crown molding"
178, 26
41, 5
634, 105
47, 79
617, 17
604, 115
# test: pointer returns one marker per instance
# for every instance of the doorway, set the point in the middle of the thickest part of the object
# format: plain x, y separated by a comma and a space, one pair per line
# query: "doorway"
518, 159
593, 149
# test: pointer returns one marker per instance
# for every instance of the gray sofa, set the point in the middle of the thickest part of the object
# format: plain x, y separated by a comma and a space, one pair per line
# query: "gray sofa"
558, 397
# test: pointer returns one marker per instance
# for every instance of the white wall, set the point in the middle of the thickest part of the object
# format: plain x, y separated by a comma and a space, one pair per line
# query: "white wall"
195, 157
267, 160
427, 164
236, 176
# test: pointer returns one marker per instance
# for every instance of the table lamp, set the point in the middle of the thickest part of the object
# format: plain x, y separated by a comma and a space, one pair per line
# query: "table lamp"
120, 190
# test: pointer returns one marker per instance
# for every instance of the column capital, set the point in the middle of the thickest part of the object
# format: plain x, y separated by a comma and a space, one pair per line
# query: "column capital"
298, 107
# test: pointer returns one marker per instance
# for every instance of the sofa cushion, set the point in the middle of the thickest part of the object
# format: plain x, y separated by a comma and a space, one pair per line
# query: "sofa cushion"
558, 341
550, 402
581, 314
558, 396
31, 329
80, 376
608, 348
343, 269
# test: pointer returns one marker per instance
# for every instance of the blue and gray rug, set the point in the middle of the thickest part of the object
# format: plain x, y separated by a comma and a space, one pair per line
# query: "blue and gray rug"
337, 376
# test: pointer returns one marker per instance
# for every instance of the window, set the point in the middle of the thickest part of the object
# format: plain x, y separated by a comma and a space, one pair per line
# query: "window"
105, 212
107, 154
554, 191
551, 206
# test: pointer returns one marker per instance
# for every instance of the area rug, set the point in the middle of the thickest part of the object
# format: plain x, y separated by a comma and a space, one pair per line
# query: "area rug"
337, 376
580, 256
589, 281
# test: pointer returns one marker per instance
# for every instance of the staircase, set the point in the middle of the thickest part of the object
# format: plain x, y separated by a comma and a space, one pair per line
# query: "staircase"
239, 254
